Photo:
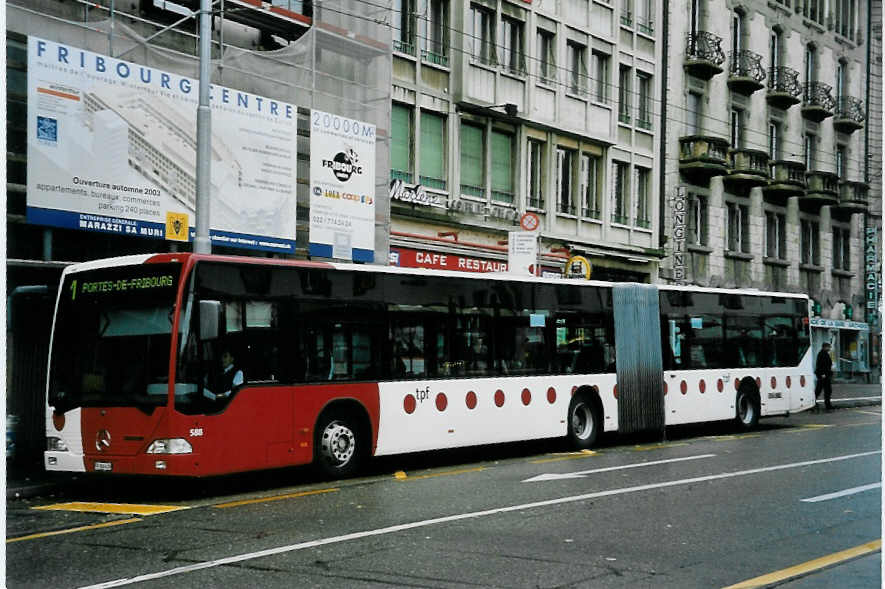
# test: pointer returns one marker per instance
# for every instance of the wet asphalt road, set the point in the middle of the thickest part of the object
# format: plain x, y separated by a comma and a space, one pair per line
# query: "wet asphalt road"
709, 507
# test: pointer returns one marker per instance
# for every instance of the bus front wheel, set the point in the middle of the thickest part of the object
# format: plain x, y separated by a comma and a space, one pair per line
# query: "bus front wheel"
339, 445
746, 409
583, 423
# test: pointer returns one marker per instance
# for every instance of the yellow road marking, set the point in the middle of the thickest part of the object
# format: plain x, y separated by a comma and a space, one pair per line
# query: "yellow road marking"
733, 437
656, 446
810, 566
119, 522
565, 456
274, 498
876, 413
132, 508
806, 427
402, 476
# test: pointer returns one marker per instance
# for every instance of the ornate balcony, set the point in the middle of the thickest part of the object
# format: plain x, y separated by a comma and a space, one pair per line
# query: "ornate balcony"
787, 179
849, 115
702, 157
853, 198
822, 189
703, 55
748, 168
817, 101
784, 89
745, 72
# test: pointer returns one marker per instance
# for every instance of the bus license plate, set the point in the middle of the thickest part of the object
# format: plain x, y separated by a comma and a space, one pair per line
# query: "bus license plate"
106, 466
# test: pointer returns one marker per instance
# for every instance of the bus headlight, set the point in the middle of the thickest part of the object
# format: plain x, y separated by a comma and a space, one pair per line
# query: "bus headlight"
170, 446
54, 444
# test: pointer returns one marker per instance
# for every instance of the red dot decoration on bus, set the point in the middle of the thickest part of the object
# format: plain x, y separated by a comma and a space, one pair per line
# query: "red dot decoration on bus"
789, 382
58, 420
702, 386
409, 404
574, 389
737, 384
499, 398
773, 382
802, 380
551, 395
683, 386
470, 399
665, 388
442, 402
526, 396
615, 390
758, 383
720, 386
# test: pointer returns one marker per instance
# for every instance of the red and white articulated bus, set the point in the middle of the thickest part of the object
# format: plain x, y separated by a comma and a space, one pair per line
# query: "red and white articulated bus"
343, 362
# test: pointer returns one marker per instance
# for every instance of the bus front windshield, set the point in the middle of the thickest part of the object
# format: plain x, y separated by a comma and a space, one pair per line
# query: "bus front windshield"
112, 337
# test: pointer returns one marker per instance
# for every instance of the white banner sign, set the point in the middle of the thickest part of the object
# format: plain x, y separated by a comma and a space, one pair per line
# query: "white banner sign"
522, 252
342, 187
112, 148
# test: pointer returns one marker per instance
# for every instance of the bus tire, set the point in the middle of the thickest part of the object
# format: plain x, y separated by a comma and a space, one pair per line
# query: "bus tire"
584, 422
746, 407
339, 445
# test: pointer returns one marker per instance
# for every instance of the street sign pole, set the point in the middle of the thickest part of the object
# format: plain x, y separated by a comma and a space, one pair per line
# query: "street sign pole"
202, 244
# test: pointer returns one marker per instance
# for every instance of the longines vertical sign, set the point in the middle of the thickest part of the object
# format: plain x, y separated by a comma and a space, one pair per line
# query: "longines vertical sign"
112, 149
342, 187
871, 274
679, 236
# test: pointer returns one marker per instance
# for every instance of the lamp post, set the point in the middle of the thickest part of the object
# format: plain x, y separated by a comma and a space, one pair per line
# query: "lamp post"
202, 243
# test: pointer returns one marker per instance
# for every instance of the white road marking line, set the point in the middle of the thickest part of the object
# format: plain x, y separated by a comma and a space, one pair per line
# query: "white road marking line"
458, 517
837, 494
582, 473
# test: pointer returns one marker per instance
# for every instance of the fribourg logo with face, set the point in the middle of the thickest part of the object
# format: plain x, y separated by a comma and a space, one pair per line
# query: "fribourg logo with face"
344, 165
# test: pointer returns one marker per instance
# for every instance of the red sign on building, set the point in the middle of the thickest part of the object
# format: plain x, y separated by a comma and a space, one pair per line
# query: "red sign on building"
409, 258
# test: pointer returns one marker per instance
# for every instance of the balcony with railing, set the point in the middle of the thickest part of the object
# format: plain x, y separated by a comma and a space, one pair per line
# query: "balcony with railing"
745, 72
817, 101
747, 168
853, 198
787, 179
849, 115
702, 157
784, 89
703, 54
822, 189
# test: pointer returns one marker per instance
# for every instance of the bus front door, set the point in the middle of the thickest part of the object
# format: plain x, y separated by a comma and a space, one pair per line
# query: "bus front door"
638, 352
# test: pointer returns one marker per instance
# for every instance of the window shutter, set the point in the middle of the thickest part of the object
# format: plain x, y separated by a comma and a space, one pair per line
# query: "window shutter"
401, 134
471, 155
432, 146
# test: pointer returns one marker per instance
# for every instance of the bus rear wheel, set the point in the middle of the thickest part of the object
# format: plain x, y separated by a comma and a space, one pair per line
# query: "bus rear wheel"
746, 409
583, 423
339, 445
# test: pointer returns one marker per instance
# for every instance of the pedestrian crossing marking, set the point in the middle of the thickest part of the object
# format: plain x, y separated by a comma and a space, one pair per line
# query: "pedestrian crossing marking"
128, 508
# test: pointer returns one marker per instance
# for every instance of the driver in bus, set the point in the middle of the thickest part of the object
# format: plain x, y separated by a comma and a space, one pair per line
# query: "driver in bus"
231, 376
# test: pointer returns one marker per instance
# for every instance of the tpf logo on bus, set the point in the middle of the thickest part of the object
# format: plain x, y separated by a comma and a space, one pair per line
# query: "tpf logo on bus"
344, 165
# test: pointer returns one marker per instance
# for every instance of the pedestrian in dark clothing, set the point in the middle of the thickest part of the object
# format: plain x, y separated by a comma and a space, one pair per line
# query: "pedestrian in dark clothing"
823, 369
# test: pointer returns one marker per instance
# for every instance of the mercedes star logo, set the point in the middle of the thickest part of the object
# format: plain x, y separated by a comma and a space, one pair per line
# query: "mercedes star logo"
102, 440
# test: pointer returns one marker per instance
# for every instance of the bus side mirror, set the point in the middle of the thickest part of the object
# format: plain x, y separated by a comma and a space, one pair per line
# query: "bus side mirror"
210, 319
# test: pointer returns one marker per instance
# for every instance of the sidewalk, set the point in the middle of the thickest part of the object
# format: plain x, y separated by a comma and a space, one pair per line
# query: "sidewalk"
22, 482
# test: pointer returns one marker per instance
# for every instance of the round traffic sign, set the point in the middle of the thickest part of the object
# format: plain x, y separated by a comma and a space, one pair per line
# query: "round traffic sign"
529, 221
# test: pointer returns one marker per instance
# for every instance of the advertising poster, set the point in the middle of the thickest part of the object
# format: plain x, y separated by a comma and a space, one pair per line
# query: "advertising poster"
112, 148
342, 188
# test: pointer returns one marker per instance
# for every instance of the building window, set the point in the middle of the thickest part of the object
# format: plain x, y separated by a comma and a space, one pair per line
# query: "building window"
694, 116
401, 143
433, 150
645, 14
600, 72
643, 188
841, 248
482, 34
809, 152
697, 220
620, 193
814, 10
627, 13
404, 32
564, 180
738, 229
590, 205
842, 161
809, 243
775, 235
774, 48
435, 32
737, 128
810, 64
472, 160
643, 109
840, 80
844, 21
512, 50
546, 56
737, 33
577, 67
624, 94
502, 167
535, 174
774, 140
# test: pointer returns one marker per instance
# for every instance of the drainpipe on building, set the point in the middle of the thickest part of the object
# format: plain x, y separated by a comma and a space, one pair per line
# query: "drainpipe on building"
866, 130
662, 161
